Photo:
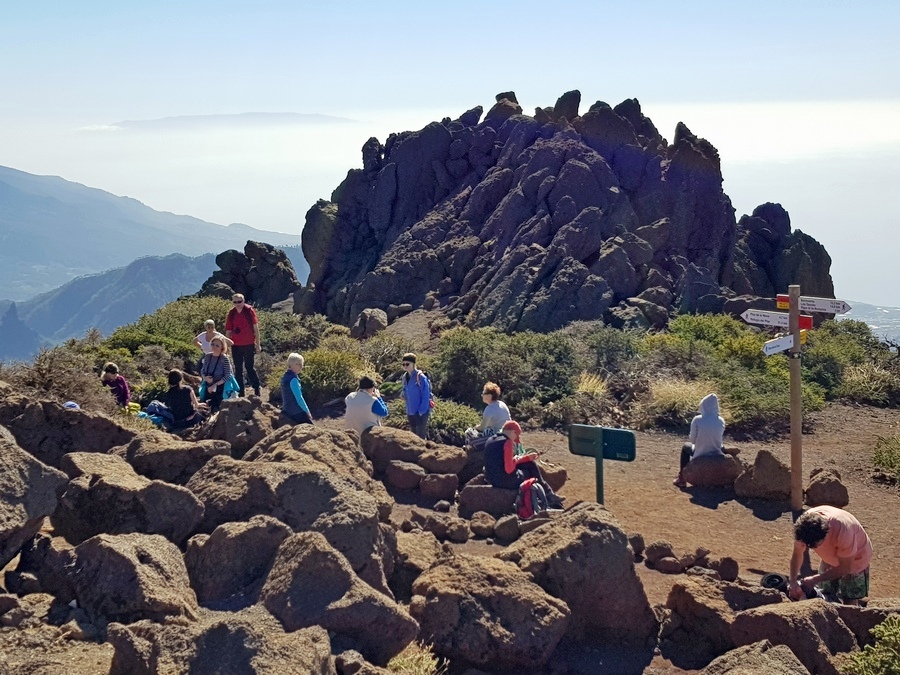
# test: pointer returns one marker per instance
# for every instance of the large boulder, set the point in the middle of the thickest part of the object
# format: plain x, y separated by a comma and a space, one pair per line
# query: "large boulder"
385, 444
768, 478
416, 552
105, 495
495, 501
760, 657
825, 487
335, 451
712, 470
44, 560
232, 559
305, 496
311, 584
368, 323
812, 629
585, 560
248, 641
160, 456
28, 493
488, 613
262, 272
129, 577
242, 423
48, 431
706, 609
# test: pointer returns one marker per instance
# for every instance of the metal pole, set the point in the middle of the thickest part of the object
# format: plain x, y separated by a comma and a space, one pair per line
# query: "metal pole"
796, 401
598, 464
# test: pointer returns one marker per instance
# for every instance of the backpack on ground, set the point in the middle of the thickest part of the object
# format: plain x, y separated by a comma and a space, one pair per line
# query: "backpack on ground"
531, 499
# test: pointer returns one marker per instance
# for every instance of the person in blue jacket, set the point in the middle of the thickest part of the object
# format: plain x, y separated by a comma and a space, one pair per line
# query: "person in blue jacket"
417, 394
293, 405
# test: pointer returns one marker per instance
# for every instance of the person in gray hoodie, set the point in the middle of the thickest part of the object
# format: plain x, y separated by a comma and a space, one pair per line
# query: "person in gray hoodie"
707, 430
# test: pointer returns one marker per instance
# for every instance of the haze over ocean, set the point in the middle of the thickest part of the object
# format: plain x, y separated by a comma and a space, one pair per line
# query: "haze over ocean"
801, 100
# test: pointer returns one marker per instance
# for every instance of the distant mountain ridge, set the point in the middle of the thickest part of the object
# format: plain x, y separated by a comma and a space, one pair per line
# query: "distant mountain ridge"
236, 120
52, 230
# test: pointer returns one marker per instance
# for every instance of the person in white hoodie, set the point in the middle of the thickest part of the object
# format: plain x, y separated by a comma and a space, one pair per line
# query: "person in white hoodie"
707, 430
365, 407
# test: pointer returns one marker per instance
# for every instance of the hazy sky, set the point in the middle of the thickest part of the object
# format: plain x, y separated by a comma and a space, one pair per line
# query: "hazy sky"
801, 98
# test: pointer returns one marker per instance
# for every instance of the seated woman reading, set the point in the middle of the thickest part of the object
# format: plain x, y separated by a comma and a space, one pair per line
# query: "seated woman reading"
507, 465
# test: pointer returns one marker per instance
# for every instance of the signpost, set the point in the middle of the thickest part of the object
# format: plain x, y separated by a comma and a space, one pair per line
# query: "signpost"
811, 304
602, 443
763, 317
794, 321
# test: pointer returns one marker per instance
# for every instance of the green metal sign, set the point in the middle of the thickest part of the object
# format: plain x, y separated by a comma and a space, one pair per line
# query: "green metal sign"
602, 443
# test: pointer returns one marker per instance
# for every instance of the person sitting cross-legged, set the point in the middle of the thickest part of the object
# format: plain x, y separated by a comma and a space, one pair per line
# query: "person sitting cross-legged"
507, 465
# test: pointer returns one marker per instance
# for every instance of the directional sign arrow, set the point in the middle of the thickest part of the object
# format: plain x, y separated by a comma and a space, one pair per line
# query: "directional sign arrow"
778, 345
775, 319
811, 304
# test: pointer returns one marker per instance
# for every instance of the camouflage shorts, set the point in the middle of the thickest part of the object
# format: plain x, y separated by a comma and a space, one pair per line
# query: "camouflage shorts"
849, 587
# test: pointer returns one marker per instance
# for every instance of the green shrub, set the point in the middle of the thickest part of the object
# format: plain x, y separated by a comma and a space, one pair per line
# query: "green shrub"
887, 454
133, 338
674, 355
447, 422
417, 659
579, 408
602, 348
280, 332
882, 658
713, 329
460, 363
384, 352
870, 383
329, 374
146, 391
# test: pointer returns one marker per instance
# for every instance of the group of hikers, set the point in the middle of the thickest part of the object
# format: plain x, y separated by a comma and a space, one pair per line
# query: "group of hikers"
835, 535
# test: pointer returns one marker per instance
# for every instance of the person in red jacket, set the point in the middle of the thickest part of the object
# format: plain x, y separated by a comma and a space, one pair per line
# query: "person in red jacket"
242, 328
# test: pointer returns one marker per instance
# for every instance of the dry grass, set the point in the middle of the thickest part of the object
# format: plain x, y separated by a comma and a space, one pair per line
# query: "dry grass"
674, 402
593, 384
417, 659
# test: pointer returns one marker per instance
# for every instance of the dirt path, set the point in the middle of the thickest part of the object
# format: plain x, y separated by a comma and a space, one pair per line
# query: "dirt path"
757, 534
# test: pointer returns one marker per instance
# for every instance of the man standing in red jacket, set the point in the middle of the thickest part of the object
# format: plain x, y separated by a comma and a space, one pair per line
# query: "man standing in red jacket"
242, 328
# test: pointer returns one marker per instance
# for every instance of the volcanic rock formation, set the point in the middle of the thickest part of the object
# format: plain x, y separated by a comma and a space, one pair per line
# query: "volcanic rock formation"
532, 222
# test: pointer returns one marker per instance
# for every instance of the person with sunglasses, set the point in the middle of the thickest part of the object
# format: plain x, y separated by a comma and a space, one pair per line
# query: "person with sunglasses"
417, 394
216, 371
242, 328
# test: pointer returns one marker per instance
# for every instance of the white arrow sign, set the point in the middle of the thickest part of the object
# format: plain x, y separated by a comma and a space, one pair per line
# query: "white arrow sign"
775, 319
778, 345
826, 305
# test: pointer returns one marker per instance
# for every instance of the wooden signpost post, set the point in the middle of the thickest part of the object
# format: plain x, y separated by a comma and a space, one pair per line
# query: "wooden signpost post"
794, 322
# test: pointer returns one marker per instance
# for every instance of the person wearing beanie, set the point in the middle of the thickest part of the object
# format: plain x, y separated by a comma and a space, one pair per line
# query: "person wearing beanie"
365, 407
507, 465
417, 394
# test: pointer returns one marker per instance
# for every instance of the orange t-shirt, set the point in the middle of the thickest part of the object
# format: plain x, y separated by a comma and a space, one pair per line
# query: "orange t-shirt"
846, 538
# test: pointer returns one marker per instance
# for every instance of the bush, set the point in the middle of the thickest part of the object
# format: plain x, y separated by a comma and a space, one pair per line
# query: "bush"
882, 658
144, 392
329, 374
384, 352
446, 424
603, 348
280, 332
417, 659
887, 454
579, 408
673, 402
173, 326
870, 383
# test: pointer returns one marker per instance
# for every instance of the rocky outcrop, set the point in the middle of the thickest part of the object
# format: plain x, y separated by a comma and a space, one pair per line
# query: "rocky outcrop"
28, 493
488, 613
585, 560
528, 222
760, 657
160, 456
262, 273
249, 641
768, 478
825, 487
311, 584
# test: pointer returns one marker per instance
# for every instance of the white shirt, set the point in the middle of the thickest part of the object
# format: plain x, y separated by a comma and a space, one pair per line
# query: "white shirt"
204, 341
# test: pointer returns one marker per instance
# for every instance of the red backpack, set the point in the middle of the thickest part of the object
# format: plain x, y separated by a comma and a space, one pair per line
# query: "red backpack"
531, 499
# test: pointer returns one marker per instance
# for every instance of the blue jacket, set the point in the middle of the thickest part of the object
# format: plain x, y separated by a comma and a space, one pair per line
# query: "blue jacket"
292, 401
417, 393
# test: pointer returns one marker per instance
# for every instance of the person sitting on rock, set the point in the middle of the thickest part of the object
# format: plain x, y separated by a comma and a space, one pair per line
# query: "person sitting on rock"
495, 415
706, 437
182, 402
119, 386
293, 405
507, 465
365, 407
845, 549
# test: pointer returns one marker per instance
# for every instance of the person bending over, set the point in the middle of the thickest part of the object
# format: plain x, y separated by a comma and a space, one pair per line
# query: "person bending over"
182, 402
119, 386
845, 550
293, 405
707, 431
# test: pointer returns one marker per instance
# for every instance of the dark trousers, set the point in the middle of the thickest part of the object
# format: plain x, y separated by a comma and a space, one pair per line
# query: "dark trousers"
300, 418
214, 399
244, 355
687, 451
418, 424
524, 471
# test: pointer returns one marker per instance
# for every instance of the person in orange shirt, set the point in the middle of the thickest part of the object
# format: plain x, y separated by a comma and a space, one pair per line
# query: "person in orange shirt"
840, 541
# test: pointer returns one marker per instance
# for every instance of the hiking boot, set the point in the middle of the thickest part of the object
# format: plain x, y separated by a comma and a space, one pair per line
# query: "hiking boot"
679, 482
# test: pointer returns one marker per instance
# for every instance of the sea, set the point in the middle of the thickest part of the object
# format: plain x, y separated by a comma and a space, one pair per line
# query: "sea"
884, 321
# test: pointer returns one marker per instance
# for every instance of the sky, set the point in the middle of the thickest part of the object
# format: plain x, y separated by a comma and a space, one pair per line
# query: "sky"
802, 99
